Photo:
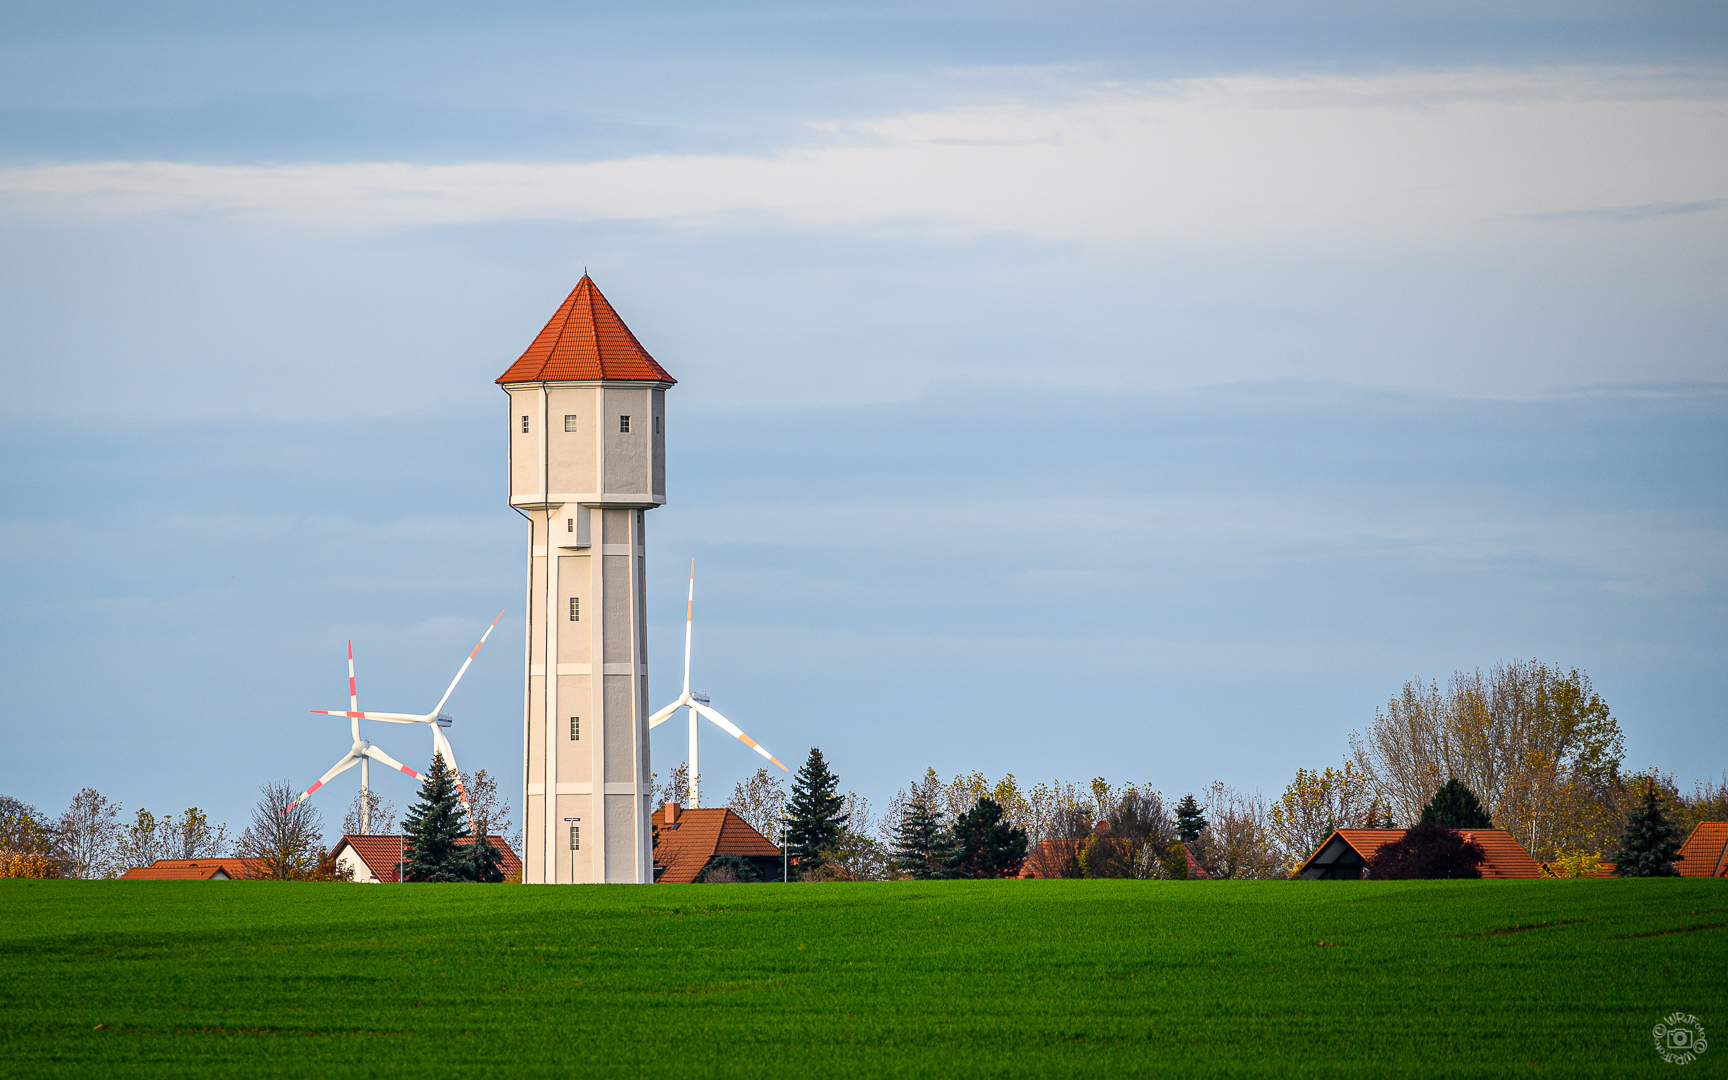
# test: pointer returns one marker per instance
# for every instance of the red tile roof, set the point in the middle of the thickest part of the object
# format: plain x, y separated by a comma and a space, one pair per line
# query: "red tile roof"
697, 836
1503, 857
207, 869
383, 853
585, 340
1705, 851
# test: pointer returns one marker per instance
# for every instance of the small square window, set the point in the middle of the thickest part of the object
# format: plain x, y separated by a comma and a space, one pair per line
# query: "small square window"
569, 421
575, 609
575, 729
524, 425
575, 838
624, 425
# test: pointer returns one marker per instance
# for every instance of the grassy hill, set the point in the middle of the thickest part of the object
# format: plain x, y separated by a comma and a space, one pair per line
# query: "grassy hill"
1052, 978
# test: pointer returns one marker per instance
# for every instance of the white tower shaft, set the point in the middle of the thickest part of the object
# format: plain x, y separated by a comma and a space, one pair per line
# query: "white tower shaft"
587, 453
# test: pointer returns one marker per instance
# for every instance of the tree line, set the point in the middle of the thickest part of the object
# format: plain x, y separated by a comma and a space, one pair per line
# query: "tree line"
283, 840
1534, 746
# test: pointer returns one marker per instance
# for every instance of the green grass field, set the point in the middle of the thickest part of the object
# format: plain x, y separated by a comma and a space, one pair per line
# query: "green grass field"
1055, 978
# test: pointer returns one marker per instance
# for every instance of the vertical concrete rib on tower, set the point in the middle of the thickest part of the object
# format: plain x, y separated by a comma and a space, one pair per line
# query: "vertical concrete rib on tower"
587, 461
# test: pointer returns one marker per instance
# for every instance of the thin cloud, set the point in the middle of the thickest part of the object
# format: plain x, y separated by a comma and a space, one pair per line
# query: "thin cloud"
1249, 160
1630, 213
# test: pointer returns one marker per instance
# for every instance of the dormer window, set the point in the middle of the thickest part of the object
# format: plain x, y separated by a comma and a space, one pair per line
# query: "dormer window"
624, 425
569, 421
524, 425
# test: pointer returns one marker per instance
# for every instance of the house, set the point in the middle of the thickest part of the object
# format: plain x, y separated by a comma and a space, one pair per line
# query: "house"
1343, 854
685, 841
375, 859
1704, 853
213, 868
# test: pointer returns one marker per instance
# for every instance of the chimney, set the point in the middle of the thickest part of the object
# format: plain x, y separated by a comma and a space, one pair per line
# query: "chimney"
671, 813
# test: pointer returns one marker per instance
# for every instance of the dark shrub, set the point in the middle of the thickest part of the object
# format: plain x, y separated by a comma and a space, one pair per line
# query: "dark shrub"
727, 870
1427, 851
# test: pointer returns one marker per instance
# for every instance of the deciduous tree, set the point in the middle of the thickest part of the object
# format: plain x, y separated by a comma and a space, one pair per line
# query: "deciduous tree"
676, 789
285, 840
1536, 744
191, 836
1237, 843
1317, 802
141, 841
760, 799
492, 813
380, 816
1133, 840
26, 842
87, 836
857, 854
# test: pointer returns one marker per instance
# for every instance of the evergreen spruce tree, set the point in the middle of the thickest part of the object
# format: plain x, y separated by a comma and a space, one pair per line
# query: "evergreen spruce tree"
1190, 822
1650, 845
432, 827
989, 846
922, 847
1456, 806
813, 817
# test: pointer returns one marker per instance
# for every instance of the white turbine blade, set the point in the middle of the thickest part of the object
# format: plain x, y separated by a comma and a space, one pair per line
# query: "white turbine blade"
441, 743
440, 706
689, 617
378, 755
349, 760
666, 714
385, 717
353, 693
732, 729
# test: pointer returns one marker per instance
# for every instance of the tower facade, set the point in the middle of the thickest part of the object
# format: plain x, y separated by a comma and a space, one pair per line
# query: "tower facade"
587, 462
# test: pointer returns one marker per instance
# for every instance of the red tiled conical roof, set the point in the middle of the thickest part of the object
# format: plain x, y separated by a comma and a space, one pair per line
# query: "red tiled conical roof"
585, 340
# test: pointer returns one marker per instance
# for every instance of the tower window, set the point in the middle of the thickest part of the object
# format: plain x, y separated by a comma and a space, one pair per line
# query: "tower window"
575, 609
624, 425
575, 838
575, 729
569, 421
524, 425
657, 427
569, 525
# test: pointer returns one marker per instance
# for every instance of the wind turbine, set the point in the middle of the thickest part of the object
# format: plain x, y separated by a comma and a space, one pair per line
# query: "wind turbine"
361, 753
698, 703
437, 720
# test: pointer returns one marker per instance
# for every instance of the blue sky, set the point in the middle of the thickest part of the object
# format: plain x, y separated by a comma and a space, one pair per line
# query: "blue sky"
1138, 390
